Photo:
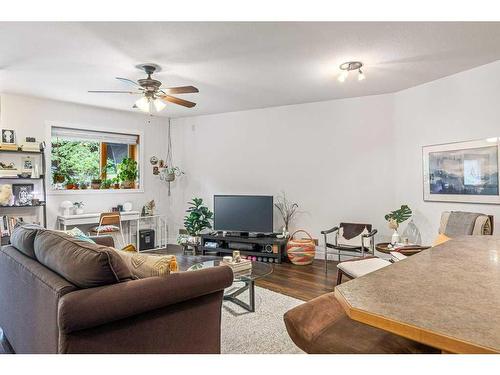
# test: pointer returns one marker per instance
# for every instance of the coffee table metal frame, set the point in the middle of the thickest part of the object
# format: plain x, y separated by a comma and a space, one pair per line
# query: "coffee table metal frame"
248, 279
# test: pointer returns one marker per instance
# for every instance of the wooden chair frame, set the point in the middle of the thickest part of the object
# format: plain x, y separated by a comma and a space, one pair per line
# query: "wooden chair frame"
111, 218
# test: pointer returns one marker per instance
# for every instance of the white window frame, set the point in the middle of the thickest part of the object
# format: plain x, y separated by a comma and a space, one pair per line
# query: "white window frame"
48, 158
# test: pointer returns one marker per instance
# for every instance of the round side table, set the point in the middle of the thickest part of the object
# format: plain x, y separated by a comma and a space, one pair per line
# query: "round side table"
405, 250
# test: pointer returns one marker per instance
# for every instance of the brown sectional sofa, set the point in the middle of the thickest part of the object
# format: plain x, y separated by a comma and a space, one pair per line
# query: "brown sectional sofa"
62, 295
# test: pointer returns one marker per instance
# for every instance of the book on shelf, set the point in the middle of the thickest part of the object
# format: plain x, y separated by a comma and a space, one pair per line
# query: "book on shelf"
9, 147
9, 172
8, 223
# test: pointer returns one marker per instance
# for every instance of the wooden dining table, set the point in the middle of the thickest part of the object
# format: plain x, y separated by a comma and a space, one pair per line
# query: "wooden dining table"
447, 297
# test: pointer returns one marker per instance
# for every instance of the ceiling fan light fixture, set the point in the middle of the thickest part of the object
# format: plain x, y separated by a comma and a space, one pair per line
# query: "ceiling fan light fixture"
351, 66
343, 76
159, 105
361, 75
143, 104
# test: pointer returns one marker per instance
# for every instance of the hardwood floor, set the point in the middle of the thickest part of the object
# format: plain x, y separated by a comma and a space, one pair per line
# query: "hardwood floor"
301, 282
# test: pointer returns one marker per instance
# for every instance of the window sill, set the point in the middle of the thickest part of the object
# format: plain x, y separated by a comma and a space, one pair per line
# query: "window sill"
94, 191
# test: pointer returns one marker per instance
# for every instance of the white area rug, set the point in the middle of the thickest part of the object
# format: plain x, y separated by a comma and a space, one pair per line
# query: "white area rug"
260, 332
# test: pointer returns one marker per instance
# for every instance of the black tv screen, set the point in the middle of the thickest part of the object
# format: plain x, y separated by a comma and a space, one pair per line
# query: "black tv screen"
243, 213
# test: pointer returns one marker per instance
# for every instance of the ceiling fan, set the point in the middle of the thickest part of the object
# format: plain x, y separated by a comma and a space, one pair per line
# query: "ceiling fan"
153, 96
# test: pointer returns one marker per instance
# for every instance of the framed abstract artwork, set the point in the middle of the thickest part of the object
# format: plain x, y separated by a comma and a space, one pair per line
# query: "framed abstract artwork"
462, 172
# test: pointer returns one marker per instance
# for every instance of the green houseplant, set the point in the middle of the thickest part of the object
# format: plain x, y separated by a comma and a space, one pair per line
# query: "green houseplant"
127, 173
198, 218
172, 172
397, 217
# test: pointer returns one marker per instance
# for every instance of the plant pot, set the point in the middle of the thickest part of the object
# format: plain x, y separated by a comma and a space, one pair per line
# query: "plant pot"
170, 177
78, 211
95, 184
128, 184
194, 240
70, 186
395, 237
59, 178
116, 186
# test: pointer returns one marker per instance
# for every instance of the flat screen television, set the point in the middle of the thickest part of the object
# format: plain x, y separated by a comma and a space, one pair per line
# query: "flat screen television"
243, 213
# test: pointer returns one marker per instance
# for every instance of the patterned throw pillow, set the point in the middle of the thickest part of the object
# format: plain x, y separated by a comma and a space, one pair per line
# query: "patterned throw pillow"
78, 234
142, 265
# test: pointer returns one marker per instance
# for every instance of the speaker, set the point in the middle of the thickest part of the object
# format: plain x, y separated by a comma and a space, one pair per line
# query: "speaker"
268, 248
146, 239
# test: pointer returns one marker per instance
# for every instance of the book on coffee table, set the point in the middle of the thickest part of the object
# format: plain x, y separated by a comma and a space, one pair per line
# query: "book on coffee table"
241, 266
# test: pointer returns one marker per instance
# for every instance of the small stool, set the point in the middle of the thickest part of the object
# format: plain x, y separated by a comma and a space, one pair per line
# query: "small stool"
321, 326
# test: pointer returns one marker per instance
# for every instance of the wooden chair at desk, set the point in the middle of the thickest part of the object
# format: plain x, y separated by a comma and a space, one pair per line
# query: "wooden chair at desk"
109, 223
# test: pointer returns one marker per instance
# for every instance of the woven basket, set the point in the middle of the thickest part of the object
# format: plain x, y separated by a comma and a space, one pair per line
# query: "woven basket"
301, 251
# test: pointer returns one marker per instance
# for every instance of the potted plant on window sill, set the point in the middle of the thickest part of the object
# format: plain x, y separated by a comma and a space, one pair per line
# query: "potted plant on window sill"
96, 183
127, 173
197, 220
71, 184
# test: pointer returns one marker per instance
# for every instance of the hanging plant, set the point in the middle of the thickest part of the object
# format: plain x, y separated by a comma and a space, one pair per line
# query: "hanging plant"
171, 171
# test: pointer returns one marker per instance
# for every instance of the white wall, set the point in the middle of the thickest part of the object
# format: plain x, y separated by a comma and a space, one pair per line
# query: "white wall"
461, 107
29, 115
333, 158
352, 159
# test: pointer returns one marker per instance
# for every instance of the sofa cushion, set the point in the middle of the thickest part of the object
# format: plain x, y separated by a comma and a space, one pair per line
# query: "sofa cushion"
23, 238
142, 265
82, 263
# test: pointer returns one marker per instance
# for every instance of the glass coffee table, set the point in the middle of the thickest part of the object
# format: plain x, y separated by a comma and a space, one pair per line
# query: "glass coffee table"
248, 278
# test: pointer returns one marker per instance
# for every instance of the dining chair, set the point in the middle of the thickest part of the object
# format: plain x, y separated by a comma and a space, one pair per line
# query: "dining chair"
109, 224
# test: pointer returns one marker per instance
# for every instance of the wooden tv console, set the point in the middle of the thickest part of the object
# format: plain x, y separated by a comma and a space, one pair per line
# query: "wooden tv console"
265, 249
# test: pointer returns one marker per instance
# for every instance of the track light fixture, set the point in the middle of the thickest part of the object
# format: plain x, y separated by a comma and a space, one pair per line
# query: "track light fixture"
350, 66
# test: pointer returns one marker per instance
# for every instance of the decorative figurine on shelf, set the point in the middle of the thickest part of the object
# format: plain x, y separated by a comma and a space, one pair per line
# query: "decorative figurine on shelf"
148, 209
6, 195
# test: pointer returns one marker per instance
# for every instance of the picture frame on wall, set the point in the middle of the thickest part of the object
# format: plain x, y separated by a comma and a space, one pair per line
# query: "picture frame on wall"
465, 172
8, 136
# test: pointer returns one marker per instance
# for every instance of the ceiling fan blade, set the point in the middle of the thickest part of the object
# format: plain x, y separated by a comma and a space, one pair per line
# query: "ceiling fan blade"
173, 99
129, 82
113, 92
181, 90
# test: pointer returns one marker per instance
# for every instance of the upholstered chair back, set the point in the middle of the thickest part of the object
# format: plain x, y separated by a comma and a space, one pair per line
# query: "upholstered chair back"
350, 234
473, 223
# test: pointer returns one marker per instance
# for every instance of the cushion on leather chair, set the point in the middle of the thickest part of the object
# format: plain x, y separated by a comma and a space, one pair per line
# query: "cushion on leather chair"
362, 267
321, 326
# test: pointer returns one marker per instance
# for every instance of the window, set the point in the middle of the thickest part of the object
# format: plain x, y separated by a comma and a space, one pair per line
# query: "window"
83, 159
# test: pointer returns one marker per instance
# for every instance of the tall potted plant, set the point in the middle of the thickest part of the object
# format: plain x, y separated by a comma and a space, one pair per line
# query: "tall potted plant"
127, 173
198, 218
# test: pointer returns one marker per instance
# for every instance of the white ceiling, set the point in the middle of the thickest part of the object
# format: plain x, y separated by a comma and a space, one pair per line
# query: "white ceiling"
236, 66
